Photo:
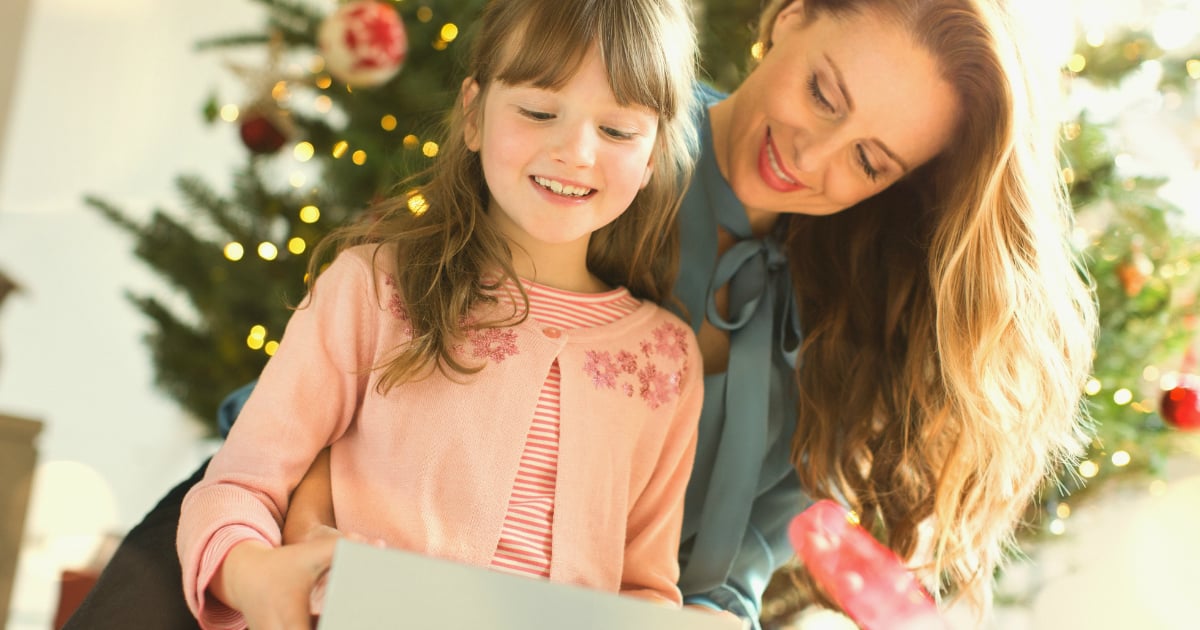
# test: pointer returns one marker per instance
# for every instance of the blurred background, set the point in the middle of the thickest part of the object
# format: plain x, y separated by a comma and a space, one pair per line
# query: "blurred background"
164, 167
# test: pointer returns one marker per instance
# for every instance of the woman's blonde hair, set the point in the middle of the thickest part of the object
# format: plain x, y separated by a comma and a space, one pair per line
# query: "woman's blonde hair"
448, 257
949, 326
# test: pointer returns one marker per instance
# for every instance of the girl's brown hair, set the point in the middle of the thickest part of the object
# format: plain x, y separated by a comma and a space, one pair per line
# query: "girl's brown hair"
449, 258
948, 326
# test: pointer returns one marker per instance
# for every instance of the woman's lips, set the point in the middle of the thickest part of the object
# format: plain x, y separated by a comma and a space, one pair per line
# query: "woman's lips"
772, 171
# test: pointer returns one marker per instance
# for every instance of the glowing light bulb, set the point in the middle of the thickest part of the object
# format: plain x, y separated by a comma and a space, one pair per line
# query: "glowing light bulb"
417, 204
304, 151
310, 214
267, 250
234, 251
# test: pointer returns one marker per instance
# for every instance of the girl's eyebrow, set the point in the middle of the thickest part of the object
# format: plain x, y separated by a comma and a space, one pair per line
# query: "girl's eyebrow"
841, 84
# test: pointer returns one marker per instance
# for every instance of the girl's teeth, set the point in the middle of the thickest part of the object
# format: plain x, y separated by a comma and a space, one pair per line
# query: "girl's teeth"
559, 189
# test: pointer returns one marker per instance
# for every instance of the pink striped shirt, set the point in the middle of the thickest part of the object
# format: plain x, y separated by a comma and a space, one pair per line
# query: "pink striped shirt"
525, 538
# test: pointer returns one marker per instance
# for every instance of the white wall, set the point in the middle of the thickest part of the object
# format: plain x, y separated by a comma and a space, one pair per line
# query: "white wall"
107, 101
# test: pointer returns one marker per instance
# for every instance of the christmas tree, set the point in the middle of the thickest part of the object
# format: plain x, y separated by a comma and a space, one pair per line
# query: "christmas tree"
349, 99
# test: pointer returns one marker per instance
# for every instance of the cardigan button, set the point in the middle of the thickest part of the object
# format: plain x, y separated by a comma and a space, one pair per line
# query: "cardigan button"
552, 332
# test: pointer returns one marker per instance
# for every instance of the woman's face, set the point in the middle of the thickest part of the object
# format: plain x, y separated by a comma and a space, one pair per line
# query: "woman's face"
838, 110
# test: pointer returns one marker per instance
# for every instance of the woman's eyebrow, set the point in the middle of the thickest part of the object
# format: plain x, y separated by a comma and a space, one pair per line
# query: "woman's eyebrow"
841, 84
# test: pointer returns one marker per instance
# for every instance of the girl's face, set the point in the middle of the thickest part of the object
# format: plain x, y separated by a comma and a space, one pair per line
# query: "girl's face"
560, 164
838, 110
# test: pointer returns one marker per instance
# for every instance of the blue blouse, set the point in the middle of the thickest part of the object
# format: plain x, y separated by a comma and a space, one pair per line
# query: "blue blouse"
744, 490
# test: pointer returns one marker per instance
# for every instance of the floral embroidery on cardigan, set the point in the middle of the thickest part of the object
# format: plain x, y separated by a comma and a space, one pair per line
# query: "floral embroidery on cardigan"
495, 344
645, 378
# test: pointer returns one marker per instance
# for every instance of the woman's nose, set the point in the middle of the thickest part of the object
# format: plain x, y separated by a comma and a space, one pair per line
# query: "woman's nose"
811, 152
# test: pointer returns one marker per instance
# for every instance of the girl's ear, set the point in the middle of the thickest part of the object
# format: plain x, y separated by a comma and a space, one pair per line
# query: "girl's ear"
649, 172
471, 132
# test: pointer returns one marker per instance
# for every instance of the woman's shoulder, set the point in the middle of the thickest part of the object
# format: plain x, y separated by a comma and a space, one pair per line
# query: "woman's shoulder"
706, 95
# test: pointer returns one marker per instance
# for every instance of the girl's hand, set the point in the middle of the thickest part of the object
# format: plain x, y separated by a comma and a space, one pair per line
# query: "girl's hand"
713, 611
270, 586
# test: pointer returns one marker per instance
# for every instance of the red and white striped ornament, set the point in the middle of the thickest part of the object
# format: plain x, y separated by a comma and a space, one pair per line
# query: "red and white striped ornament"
363, 42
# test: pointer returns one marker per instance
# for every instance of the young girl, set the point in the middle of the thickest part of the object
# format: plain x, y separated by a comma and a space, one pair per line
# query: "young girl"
486, 361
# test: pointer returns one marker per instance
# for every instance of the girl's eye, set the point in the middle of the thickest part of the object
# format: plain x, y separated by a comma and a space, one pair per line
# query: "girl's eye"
814, 88
535, 115
616, 134
871, 171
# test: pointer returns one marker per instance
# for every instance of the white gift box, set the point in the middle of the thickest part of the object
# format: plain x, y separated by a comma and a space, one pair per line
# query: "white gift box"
382, 589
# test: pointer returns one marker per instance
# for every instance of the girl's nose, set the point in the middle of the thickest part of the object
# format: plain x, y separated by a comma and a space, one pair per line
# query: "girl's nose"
575, 145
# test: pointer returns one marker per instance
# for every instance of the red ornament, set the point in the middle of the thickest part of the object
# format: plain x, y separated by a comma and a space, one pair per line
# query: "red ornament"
866, 579
363, 42
1181, 406
260, 134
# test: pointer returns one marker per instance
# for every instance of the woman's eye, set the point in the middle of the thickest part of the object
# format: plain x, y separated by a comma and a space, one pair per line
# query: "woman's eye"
535, 115
616, 134
871, 171
814, 88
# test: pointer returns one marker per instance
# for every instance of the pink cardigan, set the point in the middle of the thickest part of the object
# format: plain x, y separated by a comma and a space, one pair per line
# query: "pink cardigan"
429, 466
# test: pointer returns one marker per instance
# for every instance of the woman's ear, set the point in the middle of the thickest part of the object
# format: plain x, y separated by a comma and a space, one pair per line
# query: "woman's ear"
471, 132
792, 13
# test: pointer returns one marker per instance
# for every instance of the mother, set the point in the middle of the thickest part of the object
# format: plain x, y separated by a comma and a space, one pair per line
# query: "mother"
883, 182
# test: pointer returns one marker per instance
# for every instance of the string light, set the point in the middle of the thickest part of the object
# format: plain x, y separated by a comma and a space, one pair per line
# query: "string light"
430, 149
1068, 174
267, 251
1095, 38
257, 337
1093, 387
1193, 68
1122, 396
271, 347
757, 50
230, 113
340, 149
297, 180
1077, 63
388, 122
1150, 373
1063, 510
1121, 458
279, 91
1058, 527
310, 214
323, 104
424, 14
1089, 469
449, 32
304, 151
411, 141
417, 204
439, 44
324, 81
359, 157
316, 64
234, 251
296, 245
